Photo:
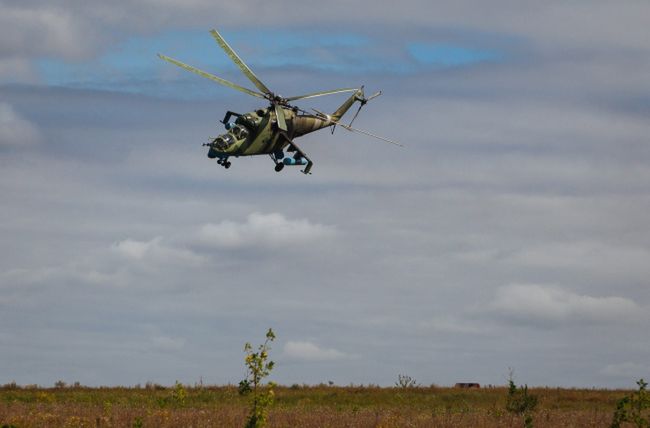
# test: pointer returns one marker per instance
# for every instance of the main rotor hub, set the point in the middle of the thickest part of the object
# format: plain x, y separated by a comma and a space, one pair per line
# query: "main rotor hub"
276, 99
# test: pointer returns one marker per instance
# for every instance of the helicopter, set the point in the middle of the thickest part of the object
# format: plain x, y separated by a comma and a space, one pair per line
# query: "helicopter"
273, 129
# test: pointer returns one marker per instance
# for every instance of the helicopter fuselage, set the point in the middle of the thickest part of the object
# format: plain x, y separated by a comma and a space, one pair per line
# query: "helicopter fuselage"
257, 133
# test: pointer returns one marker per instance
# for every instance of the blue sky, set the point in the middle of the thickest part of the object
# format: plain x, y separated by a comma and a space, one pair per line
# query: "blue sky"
132, 64
511, 231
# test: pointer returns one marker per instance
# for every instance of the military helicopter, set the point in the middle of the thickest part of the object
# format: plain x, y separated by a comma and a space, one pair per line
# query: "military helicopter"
272, 130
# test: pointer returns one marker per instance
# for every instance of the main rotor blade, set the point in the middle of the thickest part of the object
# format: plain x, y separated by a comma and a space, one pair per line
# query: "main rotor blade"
319, 94
349, 128
211, 76
237, 60
279, 112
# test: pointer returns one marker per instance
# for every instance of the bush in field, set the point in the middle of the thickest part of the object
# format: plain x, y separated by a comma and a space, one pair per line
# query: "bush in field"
179, 394
632, 408
258, 367
520, 402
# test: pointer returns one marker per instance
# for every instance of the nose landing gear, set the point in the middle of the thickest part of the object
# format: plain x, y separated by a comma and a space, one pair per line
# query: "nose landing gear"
224, 163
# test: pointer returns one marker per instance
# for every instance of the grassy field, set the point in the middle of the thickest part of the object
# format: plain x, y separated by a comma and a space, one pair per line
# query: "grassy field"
299, 406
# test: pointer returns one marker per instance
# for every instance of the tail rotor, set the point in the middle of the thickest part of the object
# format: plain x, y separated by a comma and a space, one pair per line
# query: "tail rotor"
363, 102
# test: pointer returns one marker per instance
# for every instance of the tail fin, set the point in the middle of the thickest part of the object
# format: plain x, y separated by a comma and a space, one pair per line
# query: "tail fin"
357, 96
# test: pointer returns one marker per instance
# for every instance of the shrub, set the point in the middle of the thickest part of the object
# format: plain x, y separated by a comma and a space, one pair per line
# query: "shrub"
179, 394
520, 402
632, 407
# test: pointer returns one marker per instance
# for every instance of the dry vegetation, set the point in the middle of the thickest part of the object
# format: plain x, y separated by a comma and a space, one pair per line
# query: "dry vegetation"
305, 406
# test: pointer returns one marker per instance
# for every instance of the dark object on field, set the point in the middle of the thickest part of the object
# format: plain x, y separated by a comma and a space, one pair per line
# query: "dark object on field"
467, 385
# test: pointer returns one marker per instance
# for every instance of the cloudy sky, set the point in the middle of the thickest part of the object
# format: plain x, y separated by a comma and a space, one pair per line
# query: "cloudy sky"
512, 231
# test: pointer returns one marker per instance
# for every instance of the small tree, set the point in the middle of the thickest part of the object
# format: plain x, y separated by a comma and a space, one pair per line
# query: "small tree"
632, 407
178, 394
258, 367
519, 401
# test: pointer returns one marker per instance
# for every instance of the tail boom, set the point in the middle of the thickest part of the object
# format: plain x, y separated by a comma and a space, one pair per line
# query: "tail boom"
304, 124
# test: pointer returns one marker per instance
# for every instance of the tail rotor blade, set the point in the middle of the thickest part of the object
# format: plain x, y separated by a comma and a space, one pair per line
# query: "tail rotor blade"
356, 114
375, 95
363, 103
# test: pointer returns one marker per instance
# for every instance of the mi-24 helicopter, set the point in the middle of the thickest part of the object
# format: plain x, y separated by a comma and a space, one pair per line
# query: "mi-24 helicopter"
272, 130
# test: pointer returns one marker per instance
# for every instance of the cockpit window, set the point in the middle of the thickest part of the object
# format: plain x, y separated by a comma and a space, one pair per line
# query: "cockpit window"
239, 132
224, 141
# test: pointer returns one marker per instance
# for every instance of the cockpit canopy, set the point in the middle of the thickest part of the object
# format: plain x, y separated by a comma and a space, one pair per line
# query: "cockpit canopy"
235, 133
222, 142
239, 132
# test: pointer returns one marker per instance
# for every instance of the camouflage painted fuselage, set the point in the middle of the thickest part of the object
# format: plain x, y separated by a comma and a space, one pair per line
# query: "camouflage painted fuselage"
257, 133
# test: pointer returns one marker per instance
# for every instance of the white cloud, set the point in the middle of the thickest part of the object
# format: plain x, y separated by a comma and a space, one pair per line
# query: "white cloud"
14, 129
267, 230
155, 250
135, 249
309, 351
549, 303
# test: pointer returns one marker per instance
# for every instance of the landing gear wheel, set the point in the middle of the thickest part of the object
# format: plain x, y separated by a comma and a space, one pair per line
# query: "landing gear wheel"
227, 164
278, 167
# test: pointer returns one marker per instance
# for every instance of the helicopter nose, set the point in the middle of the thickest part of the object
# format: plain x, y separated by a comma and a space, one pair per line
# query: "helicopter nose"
212, 153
